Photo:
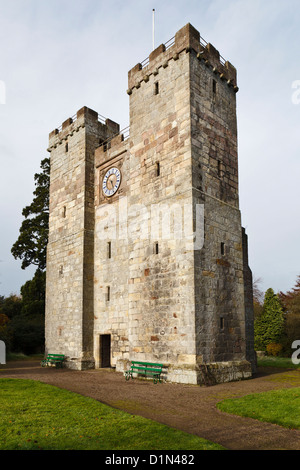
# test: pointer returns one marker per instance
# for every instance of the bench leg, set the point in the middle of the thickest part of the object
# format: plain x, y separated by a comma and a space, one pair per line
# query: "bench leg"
156, 378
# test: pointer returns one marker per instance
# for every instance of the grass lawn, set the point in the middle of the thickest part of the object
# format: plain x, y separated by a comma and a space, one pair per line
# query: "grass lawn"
277, 406
34, 415
284, 362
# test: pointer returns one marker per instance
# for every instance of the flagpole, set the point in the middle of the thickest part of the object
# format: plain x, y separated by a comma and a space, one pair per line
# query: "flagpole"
153, 26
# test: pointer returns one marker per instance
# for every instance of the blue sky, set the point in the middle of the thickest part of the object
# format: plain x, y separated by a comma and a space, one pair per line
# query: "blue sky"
57, 56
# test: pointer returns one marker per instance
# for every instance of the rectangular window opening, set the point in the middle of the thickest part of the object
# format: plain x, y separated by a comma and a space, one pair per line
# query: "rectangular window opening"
67, 147
156, 248
64, 212
156, 88
109, 250
107, 293
157, 169
214, 86
222, 248
221, 323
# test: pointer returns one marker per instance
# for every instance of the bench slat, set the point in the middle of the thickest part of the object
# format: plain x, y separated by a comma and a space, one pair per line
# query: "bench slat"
147, 363
145, 368
56, 359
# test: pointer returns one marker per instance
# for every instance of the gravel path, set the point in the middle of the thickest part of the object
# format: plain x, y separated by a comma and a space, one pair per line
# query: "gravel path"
190, 408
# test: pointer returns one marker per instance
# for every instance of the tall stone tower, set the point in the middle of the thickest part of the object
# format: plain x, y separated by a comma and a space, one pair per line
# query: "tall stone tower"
147, 258
70, 260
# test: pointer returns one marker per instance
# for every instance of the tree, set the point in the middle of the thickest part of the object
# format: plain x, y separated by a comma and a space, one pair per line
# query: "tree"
291, 299
27, 333
10, 306
269, 327
258, 298
27, 317
22, 319
4, 330
291, 307
33, 294
31, 244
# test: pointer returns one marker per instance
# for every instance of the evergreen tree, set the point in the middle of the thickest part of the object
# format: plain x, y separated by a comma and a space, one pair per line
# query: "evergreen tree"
269, 327
26, 327
33, 294
31, 244
22, 319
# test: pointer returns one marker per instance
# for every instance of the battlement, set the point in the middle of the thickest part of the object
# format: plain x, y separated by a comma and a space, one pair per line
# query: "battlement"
187, 39
84, 117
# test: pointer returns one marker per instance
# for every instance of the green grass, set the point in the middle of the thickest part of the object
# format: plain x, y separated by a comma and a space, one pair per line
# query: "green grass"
23, 357
280, 407
280, 362
34, 415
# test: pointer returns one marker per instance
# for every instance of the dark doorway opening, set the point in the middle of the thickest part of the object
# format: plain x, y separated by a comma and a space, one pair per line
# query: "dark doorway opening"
105, 350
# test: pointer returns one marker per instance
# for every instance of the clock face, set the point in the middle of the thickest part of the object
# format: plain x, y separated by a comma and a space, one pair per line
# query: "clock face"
111, 182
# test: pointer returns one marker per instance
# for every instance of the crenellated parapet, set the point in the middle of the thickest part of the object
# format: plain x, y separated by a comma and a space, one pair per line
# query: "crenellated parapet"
186, 40
84, 117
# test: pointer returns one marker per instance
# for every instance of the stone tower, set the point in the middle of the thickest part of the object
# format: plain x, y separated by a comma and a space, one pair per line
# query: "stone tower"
147, 258
70, 260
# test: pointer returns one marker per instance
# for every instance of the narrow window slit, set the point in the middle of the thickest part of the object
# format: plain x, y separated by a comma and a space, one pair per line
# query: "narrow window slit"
214, 86
107, 293
222, 248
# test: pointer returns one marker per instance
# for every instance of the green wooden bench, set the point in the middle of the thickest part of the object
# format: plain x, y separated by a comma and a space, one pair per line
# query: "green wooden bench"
56, 359
151, 369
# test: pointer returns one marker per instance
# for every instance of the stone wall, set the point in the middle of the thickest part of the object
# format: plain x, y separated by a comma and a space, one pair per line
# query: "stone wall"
219, 265
161, 307
111, 264
159, 267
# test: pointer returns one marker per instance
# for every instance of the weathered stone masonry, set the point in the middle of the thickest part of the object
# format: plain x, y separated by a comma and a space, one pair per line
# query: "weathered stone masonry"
118, 289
